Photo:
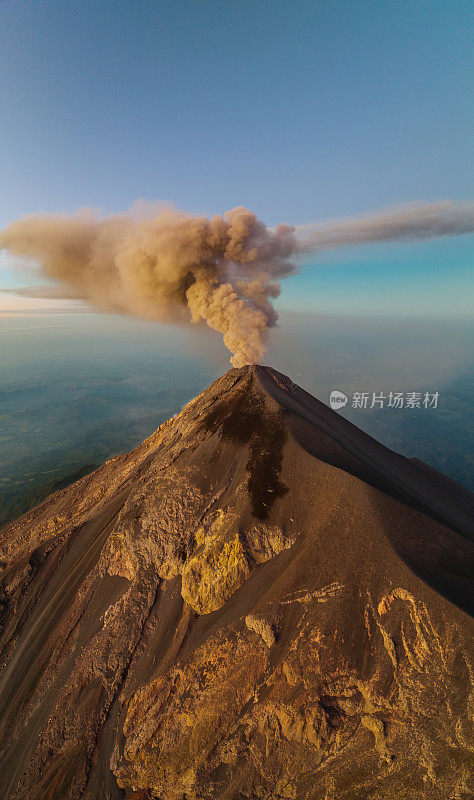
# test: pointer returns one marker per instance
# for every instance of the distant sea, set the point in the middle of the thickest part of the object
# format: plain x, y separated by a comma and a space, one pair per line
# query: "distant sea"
78, 388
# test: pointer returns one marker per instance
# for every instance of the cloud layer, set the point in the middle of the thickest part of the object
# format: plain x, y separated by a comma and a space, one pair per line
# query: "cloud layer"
159, 263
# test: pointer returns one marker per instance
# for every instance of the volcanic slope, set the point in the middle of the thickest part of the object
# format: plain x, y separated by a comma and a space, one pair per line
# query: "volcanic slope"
260, 601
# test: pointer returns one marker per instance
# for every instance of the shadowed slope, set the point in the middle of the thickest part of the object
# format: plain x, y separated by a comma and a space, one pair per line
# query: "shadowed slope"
254, 603
438, 557
406, 479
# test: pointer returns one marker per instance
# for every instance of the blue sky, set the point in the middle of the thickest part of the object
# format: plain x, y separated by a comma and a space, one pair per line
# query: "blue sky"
298, 110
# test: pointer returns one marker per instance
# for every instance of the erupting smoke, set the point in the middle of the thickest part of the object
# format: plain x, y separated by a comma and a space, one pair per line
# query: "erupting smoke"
225, 270
167, 267
400, 223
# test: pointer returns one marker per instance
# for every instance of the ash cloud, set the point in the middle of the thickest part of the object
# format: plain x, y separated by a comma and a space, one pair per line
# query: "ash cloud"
411, 221
167, 266
162, 264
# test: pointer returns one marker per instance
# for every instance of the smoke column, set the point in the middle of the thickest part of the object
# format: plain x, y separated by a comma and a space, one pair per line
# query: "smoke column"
171, 266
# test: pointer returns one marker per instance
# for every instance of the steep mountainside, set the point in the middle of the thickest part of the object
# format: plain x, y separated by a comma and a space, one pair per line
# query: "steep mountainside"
260, 601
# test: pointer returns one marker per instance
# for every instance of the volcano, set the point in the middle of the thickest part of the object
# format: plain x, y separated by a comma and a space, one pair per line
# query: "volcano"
260, 601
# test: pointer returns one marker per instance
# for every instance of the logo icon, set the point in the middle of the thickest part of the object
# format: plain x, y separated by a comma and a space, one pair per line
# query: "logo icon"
337, 400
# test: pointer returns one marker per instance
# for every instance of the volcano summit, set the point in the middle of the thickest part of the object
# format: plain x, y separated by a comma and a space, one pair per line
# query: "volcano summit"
260, 601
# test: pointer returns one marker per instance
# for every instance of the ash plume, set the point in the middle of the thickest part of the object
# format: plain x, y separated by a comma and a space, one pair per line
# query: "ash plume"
410, 221
167, 265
